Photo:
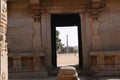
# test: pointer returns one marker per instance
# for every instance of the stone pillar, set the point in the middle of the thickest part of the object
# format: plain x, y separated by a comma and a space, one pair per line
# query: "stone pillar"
95, 34
17, 63
36, 11
37, 34
95, 7
3, 44
37, 44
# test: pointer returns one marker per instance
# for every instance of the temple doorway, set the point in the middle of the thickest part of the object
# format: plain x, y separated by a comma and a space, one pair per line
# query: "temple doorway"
62, 21
67, 46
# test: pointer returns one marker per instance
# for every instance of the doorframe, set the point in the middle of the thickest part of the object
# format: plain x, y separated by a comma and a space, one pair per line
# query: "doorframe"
85, 27
53, 43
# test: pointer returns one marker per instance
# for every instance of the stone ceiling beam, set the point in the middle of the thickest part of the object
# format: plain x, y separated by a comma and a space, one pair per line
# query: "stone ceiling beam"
35, 1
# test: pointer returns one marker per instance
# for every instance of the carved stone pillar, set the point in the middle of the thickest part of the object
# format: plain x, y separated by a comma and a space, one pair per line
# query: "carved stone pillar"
3, 44
37, 44
37, 34
36, 11
95, 7
95, 34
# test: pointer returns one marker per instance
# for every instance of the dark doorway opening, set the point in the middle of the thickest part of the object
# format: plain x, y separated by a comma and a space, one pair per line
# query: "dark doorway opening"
65, 20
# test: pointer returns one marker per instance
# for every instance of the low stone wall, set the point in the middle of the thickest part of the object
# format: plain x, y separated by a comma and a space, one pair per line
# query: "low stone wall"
27, 65
106, 62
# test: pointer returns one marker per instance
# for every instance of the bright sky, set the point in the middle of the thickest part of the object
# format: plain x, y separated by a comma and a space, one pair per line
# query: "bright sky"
72, 33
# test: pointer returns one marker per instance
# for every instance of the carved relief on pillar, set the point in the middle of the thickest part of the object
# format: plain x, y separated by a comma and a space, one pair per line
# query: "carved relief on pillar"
95, 35
37, 34
95, 7
35, 9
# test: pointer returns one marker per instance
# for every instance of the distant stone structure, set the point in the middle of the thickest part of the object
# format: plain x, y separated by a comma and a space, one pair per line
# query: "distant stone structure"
68, 50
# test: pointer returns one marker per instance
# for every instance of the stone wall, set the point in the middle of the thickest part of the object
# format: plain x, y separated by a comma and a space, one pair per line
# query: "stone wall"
19, 35
110, 30
102, 33
105, 61
26, 58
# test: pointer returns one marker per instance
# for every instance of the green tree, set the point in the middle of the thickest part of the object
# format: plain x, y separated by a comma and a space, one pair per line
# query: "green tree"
59, 45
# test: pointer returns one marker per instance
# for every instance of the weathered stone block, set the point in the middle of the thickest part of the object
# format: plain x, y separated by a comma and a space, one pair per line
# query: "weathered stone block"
67, 71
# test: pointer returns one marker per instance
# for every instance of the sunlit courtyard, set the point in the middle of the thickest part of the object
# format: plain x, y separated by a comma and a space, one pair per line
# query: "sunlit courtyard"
65, 59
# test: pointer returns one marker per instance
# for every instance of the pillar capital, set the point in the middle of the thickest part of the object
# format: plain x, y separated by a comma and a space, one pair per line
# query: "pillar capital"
95, 7
35, 8
37, 18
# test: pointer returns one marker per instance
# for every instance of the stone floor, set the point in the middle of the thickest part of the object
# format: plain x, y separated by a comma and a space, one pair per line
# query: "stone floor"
48, 78
81, 78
